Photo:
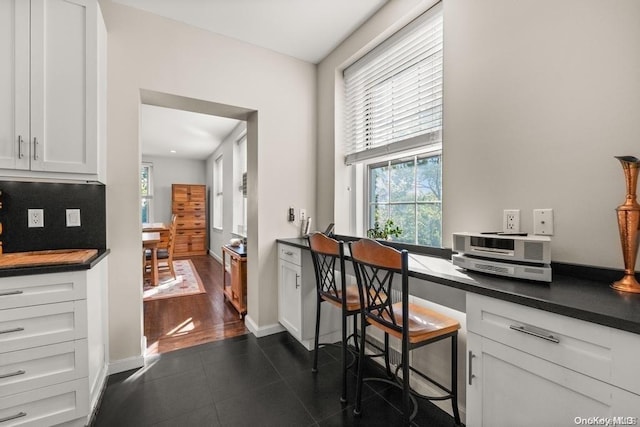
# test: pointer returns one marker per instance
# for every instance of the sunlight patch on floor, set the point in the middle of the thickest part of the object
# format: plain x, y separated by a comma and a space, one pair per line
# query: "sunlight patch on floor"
183, 328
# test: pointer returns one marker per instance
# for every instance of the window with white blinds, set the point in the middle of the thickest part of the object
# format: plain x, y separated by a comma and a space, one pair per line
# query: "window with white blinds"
394, 93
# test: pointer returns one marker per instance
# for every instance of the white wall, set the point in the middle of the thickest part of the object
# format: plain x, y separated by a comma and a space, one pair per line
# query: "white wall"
538, 98
217, 237
171, 170
147, 52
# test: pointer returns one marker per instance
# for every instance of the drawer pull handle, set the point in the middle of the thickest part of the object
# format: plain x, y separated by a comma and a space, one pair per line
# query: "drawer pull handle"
4, 294
471, 375
7, 331
544, 336
20, 142
13, 374
288, 253
13, 417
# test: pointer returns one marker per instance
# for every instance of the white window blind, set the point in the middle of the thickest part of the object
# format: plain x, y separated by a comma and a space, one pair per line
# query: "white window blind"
394, 93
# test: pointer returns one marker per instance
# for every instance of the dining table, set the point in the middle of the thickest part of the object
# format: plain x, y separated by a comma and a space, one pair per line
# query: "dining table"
151, 240
161, 228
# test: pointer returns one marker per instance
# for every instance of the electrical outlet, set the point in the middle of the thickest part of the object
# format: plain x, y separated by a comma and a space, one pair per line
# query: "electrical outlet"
511, 221
543, 222
303, 214
35, 218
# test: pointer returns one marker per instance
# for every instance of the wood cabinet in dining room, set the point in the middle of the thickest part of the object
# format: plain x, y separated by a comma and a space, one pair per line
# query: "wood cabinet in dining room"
189, 204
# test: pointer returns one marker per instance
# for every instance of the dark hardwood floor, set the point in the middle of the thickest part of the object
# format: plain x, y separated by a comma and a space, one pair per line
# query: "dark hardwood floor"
175, 323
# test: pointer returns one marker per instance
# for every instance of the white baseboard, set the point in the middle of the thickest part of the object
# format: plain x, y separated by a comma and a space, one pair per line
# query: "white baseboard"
122, 365
215, 256
262, 331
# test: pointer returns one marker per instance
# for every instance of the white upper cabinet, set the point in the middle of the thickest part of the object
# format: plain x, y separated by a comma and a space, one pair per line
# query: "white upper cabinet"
49, 100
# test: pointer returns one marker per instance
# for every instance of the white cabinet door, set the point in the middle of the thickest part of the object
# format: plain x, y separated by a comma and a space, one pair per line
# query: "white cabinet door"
64, 86
290, 297
14, 84
509, 387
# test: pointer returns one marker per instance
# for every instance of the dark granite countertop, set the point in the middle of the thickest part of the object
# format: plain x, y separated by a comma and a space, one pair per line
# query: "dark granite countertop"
54, 268
590, 300
240, 250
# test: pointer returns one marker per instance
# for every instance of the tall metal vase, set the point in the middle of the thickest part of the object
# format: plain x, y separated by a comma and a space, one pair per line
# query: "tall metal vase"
628, 224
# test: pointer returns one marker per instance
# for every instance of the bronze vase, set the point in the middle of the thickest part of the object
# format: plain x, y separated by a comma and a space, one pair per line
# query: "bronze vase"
628, 223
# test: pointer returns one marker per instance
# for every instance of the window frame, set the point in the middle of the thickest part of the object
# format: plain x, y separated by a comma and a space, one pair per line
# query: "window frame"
239, 198
149, 196
217, 222
430, 151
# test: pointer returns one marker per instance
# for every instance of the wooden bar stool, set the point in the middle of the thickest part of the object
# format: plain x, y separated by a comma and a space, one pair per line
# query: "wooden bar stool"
385, 305
328, 255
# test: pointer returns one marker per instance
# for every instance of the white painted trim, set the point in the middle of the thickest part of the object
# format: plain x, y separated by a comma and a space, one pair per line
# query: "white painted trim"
122, 365
215, 256
98, 388
262, 331
97, 392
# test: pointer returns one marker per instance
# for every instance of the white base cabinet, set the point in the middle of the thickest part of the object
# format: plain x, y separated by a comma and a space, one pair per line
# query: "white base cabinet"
53, 346
527, 367
297, 299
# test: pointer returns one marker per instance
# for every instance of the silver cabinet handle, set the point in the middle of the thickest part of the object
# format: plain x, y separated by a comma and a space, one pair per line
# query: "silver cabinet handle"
13, 417
20, 142
543, 335
13, 374
471, 376
288, 253
4, 294
7, 331
297, 284
35, 148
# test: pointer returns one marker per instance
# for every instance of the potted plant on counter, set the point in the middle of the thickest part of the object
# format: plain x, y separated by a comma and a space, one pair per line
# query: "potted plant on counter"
384, 232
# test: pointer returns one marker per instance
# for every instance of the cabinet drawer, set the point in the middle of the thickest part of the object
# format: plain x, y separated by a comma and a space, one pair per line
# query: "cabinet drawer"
40, 325
188, 221
595, 350
42, 366
193, 206
46, 406
38, 289
289, 253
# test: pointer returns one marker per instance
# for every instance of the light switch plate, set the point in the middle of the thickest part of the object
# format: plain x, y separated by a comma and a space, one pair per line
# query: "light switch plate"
73, 217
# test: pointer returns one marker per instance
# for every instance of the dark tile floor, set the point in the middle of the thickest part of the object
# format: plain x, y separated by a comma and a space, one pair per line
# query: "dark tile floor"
245, 381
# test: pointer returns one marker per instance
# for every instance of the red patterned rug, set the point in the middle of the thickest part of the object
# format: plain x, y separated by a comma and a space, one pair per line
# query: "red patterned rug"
187, 282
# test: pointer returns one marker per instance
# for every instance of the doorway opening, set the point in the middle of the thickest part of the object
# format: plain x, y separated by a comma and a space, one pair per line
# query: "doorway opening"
194, 195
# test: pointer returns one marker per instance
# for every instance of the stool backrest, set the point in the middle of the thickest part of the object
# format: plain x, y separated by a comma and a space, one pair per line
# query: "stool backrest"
328, 264
376, 267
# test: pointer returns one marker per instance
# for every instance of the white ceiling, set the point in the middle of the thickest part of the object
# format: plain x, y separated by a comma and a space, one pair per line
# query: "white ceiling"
305, 29
190, 135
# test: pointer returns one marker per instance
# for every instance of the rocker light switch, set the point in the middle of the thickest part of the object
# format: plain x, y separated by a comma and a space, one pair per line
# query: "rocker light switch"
73, 217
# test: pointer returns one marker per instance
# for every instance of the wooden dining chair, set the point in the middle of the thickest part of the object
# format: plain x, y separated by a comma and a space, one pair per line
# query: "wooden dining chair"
385, 305
165, 256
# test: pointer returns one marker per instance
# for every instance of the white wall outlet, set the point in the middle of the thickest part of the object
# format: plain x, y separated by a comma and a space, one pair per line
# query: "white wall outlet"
303, 214
543, 222
35, 218
511, 221
73, 217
